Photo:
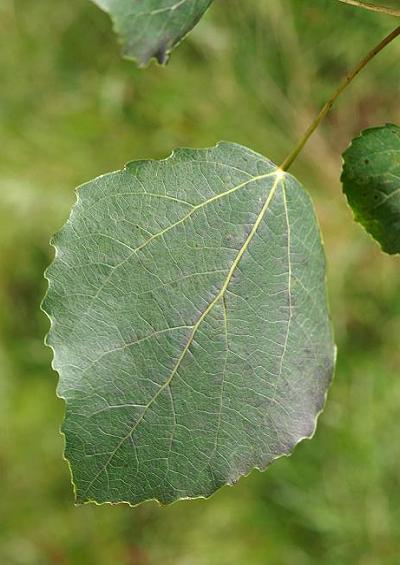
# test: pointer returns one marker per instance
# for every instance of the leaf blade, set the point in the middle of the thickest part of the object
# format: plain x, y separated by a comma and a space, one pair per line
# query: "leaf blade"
371, 182
152, 28
214, 370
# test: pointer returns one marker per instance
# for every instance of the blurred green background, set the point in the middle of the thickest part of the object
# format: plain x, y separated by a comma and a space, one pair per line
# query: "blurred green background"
253, 71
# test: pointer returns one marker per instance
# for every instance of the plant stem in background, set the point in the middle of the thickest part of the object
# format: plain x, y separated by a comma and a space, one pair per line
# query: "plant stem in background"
373, 7
328, 106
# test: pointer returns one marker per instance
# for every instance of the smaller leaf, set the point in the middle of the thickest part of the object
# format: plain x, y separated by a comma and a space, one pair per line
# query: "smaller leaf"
152, 28
371, 182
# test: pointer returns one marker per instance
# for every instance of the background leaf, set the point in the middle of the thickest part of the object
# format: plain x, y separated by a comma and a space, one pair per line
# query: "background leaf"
152, 28
371, 182
190, 324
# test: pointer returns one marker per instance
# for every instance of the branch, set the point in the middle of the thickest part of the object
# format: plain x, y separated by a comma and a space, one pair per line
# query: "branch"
373, 7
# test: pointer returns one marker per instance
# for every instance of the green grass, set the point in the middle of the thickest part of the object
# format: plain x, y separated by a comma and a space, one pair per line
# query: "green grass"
70, 109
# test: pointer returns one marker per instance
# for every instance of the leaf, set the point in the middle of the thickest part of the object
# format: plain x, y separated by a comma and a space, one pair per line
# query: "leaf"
152, 28
371, 182
189, 324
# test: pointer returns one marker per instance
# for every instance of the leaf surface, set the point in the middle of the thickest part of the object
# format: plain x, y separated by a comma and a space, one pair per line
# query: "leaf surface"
371, 182
189, 326
152, 28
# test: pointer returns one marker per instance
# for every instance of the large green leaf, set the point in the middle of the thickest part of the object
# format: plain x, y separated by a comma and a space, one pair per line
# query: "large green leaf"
371, 182
189, 324
152, 28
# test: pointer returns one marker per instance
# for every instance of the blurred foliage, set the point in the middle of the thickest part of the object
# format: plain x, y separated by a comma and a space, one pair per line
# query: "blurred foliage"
253, 72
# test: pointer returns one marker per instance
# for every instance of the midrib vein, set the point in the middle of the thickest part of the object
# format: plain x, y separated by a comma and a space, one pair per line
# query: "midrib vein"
387, 197
166, 8
279, 177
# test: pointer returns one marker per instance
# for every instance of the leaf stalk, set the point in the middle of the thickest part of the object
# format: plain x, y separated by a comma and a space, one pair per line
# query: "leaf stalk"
329, 104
